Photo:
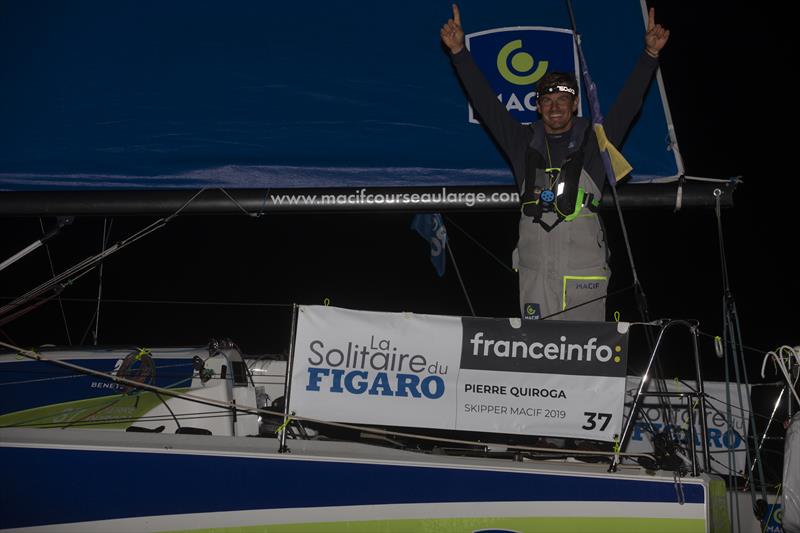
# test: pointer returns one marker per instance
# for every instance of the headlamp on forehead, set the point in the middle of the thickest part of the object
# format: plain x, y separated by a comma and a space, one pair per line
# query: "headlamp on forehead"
556, 89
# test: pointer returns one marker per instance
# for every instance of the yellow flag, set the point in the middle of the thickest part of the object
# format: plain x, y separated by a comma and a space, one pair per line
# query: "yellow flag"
618, 163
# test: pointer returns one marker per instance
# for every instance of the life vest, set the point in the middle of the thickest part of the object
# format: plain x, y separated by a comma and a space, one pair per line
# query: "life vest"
563, 191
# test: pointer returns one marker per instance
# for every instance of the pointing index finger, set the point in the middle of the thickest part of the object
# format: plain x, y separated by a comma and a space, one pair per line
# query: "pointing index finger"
651, 19
456, 15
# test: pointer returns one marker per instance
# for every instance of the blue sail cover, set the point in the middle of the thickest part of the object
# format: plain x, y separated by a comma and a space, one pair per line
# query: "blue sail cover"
187, 93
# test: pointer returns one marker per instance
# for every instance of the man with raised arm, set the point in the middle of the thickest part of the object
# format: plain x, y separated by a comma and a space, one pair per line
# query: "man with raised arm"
561, 255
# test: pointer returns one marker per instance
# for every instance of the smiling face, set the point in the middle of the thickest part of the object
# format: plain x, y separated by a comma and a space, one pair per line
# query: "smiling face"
556, 110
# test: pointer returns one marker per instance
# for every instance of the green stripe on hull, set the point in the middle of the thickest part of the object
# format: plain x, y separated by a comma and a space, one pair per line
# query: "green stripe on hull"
467, 525
718, 502
106, 412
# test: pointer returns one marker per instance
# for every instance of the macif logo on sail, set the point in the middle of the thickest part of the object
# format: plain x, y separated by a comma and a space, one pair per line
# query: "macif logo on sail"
515, 59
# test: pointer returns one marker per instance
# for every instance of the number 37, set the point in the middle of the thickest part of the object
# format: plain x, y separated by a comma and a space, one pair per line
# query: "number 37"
592, 420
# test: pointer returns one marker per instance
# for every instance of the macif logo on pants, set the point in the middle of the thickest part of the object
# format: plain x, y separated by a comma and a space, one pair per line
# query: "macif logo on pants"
515, 59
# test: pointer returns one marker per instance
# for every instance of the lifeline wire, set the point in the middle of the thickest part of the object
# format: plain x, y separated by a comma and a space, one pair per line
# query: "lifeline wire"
233, 406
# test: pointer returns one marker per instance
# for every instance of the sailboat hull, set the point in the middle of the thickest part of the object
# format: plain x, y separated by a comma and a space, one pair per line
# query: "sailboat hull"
104, 481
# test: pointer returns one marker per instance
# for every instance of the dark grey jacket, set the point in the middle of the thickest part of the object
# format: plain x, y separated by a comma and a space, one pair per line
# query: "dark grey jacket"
514, 138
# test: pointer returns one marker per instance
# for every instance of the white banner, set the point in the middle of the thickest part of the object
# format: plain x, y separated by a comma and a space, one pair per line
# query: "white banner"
719, 438
562, 379
375, 368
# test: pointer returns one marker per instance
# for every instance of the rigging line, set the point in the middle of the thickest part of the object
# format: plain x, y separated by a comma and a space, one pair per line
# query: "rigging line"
167, 302
10, 318
458, 273
186, 204
639, 294
49, 285
732, 330
106, 236
264, 202
255, 410
597, 119
7, 336
41, 289
482, 247
53, 273
769, 423
88, 328
57, 288
237, 204
89, 263
728, 418
757, 461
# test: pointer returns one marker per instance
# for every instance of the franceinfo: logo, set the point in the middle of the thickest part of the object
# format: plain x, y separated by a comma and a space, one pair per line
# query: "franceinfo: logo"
544, 346
552, 351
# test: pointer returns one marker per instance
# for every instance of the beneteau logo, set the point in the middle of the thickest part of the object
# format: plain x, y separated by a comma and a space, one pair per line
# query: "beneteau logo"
376, 368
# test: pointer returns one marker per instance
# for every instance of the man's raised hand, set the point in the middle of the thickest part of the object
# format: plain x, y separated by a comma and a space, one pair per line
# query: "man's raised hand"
656, 37
452, 33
